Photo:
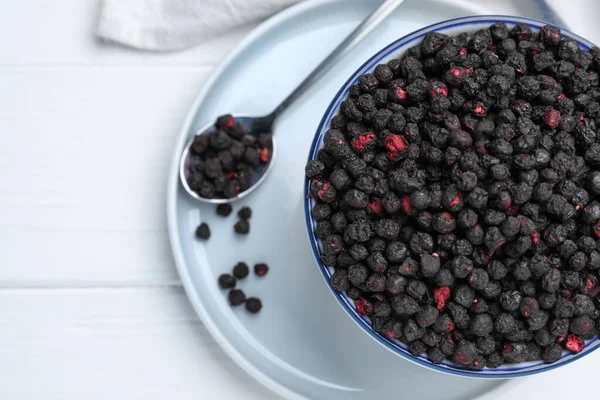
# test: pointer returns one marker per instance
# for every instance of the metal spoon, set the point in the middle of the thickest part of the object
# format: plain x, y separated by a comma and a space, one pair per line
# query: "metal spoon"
256, 125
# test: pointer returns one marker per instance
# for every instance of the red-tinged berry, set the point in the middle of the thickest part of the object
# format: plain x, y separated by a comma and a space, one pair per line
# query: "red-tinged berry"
444, 324
397, 92
364, 143
261, 269
406, 205
265, 155
479, 110
441, 295
551, 118
396, 146
513, 210
452, 199
374, 207
597, 229
363, 306
535, 237
438, 88
376, 283
574, 344
225, 121
550, 35
590, 285
443, 222
326, 192
454, 76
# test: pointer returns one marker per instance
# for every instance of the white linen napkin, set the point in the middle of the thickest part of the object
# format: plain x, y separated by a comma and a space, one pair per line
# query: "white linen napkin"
165, 25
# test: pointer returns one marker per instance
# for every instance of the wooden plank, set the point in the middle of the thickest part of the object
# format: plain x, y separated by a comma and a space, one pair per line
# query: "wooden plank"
83, 169
105, 343
147, 343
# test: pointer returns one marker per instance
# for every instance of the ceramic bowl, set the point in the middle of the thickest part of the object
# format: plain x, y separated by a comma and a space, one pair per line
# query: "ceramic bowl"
396, 50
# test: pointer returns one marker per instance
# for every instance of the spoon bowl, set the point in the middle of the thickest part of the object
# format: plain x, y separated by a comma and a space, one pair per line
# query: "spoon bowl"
254, 126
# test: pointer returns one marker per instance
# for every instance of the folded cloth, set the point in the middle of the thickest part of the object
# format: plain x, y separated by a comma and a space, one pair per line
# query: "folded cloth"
164, 25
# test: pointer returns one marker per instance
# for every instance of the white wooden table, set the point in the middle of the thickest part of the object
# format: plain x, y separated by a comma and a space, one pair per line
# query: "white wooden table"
91, 306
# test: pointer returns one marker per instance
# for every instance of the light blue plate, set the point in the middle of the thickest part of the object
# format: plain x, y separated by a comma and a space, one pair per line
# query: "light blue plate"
394, 50
302, 345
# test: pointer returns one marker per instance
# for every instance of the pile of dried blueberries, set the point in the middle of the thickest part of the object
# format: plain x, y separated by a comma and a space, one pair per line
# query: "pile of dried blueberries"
224, 161
455, 196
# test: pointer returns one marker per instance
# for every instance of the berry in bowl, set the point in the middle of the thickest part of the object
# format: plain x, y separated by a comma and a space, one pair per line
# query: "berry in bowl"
450, 197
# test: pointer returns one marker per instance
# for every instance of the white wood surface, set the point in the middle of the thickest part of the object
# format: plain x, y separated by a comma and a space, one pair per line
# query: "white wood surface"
90, 303
125, 343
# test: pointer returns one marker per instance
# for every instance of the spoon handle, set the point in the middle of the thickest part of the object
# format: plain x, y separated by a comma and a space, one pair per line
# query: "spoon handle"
350, 42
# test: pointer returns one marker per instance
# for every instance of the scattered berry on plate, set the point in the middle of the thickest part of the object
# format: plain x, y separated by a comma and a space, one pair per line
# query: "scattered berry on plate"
226, 281
236, 297
242, 227
253, 305
245, 213
224, 210
241, 270
203, 231
261, 269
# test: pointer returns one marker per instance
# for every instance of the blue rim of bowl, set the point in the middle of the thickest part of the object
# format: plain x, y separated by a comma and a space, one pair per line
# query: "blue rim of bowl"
470, 24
